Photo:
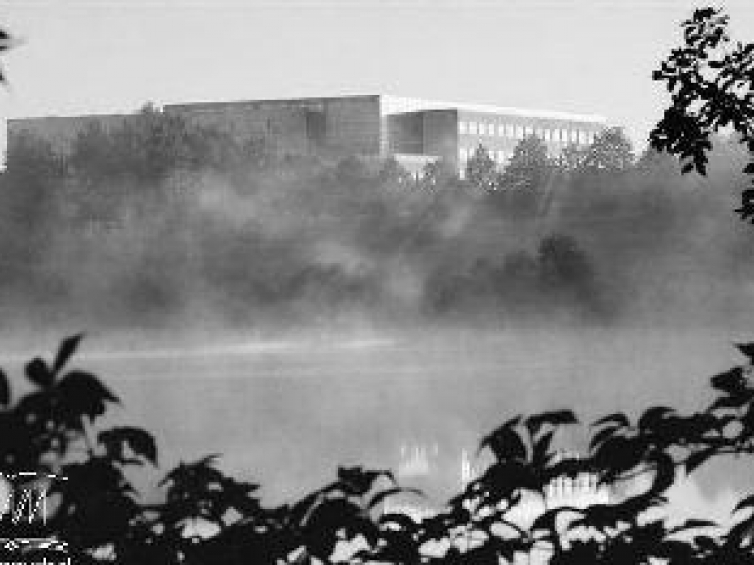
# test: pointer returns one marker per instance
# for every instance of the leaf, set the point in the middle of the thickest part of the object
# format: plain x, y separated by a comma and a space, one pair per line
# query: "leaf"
38, 373
603, 435
505, 443
67, 348
698, 458
554, 418
731, 381
692, 524
747, 348
382, 495
618, 418
4, 389
358, 481
84, 395
747, 502
139, 441
653, 416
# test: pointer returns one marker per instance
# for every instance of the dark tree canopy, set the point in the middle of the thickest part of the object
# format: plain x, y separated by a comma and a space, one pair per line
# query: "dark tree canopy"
57, 428
711, 82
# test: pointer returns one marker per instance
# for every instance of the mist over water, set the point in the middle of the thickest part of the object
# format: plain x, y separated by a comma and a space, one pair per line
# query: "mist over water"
297, 317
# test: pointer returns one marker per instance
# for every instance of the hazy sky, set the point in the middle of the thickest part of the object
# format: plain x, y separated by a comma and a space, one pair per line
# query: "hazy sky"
588, 56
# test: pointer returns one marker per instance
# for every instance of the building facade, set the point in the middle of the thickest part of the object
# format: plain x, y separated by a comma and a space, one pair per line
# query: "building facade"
414, 131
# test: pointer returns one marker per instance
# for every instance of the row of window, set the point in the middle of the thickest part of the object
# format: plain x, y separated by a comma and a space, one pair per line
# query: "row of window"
560, 135
499, 156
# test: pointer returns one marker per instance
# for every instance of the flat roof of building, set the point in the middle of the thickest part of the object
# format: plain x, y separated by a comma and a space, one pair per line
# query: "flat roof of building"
397, 104
390, 104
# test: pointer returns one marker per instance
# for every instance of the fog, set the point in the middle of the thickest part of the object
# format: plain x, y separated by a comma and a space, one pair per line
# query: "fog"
298, 315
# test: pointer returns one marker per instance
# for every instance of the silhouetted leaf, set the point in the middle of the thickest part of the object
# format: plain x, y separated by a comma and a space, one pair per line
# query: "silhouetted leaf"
67, 348
692, 524
505, 443
138, 441
358, 481
601, 436
554, 418
382, 495
38, 373
4, 389
730, 381
747, 502
618, 418
651, 418
698, 458
84, 395
747, 348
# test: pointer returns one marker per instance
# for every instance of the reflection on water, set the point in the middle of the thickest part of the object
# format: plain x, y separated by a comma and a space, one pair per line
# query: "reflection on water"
287, 412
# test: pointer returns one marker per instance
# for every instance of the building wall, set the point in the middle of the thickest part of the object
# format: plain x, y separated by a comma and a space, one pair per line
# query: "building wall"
60, 131
370, 125
308, 126
500, 133
441, 134
281, 126
405, 134
352, 125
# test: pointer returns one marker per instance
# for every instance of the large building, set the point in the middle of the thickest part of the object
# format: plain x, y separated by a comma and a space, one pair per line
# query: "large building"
413, 130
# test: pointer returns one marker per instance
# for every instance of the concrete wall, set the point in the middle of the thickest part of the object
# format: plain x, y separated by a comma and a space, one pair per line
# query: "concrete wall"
307, 126
282, 127
405, 134
60, 131
441, 134
352, 125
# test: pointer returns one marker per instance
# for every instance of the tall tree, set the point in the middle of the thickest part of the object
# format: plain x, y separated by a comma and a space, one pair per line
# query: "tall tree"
610, 151
711, 83
529, 167
481, 170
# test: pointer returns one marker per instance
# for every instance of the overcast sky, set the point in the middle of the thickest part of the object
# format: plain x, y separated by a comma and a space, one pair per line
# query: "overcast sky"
586, 56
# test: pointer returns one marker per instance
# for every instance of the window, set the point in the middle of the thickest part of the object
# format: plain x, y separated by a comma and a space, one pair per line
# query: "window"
472, 127
509, 130
574, 136
464, 154
520, 132
540, 134
546, 134
501, 156
491, 129
563, 135
582, 137
501, 130
529, 130
461, 127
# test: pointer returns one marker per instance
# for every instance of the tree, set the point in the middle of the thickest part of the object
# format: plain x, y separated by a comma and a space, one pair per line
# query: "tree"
392, 173
438, 173
6, 42
481, 171
56, 428
711, 83
529, 167
611, 151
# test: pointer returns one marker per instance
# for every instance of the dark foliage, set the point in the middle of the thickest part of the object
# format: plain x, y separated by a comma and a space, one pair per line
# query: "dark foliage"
205, 515
711, 82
